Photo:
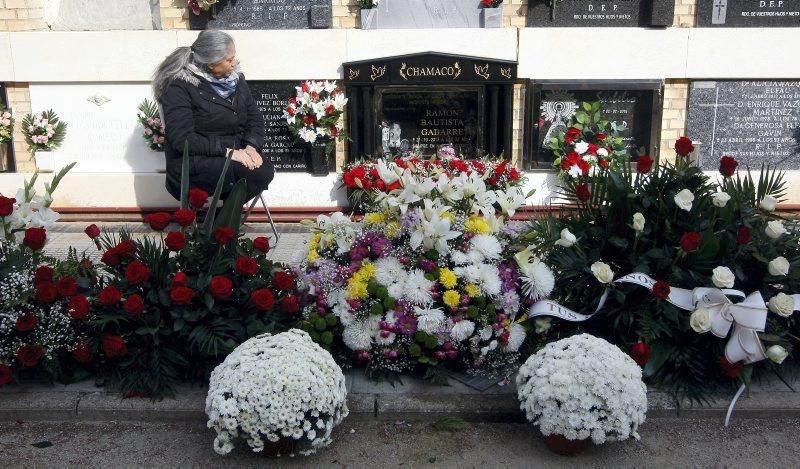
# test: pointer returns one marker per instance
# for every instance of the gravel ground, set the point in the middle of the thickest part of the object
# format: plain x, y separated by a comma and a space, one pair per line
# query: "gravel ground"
665, 443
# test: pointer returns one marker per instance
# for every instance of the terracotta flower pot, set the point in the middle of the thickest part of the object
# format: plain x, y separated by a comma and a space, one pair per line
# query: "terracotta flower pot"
562, 445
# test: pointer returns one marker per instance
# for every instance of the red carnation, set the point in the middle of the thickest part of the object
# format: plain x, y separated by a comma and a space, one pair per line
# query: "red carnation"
6, 206
78, 307
745, 235
644, 164
82, 353
29, 355
690, 241
114, 346
352, 177
290, 305
184, 217
309, 120
179, 279
92, 231
731, 370
582, 192
197, 198
134, 305
175, 241
137, 273
246, 266
158, 221
334, 132
513, 174
592, 150
26, 322
220, 287
261, 244
224, 234
600, 136
684, 146
330, 109
640, 352
43, 274
727, 165
5, 374
283, 281
35, 238
67, 286
181, 295
571, 135
46, 293
661, 289
263, 299
603, 163
109, 296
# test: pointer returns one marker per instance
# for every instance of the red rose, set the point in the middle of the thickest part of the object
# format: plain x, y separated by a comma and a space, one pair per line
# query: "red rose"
309, 120
684, 146
644, 164
134, 305
661, 289
184, 217
571, 135
46, 293
29, 355
224, 234
66, 286
158, 221
354, 176
600, 136
109, 296
110, 257
78, 307
304, 87
181, 295
179, 279
82, 353
582, 192
220, 287
745, 235
261, 244
246, 266
487, 3
690, 241
35, 238
197, 198
283, 281
6, 205
43, 274
175, 241
731, 370
290, 305
290, 110
26, 322
263, 299
136, 273
640, 352
114, 346
727, 165
92, 231
513, 174
5, 374
334, 132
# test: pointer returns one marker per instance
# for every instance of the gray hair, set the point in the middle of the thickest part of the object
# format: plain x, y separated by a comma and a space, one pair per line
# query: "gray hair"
210, 47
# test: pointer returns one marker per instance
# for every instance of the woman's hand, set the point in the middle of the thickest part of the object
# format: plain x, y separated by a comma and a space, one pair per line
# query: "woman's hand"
243, 157
254, 155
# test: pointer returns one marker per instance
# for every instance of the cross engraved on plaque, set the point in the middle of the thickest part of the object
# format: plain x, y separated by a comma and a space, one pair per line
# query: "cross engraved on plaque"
719, 12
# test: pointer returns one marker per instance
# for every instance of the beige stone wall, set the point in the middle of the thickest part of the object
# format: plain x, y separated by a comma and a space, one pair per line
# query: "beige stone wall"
685, 13
19, 99
174, 14
518, 122
673, 120
515, 13
22, 15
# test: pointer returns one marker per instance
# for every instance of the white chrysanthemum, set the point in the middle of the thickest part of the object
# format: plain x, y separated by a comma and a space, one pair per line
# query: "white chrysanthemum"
489, 279
389, 270
487, 245
396, 290
462, 330
538, 280
417, 289
516, 336
357, 336
459, 258
429, 319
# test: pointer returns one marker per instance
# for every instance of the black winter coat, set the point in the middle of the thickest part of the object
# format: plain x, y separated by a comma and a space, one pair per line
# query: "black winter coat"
211, 124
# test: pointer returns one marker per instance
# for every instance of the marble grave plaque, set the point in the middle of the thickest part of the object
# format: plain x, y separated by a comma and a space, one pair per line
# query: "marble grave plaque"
280, 147
748, 13
265, 14
600, 13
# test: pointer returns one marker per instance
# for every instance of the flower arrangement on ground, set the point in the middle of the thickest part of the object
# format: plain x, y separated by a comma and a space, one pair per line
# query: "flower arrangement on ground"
43, 131
428, 279
150, 119
655, 253
281, 392
201, 5
583, 387
6, 125
314, 114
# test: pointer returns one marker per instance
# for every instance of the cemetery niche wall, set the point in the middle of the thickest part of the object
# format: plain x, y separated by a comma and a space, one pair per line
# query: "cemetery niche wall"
265, 14
748, 13
413, 104
7, 163
601, 13
550, 104
756, 122
415, 14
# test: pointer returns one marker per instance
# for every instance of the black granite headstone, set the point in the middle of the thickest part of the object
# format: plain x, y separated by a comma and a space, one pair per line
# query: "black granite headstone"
601, 13
265, 14
756, 122
552, 105
280, 147
748, 13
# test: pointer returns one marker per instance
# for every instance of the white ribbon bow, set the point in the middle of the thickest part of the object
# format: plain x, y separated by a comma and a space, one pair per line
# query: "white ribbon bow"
748, 318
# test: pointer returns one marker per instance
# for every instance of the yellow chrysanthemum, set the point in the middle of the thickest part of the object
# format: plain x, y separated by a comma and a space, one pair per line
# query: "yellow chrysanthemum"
312, 255
451, 298
356, 290
472, 290
366, 272
447, 278
313, 244
477, 225
374, 218
392, 229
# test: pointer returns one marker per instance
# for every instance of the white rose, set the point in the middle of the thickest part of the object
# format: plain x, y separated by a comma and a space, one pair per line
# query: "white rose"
638, 221
775, 229
700, 320
721, 199
602, 272
684, 199
567, 239
723, 277
777, 354
543, 325
768, 203
778, 266
782, 304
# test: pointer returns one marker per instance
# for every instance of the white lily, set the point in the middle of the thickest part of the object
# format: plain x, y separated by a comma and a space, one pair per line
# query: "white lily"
448, 189
510, 200
388, 172
484, 203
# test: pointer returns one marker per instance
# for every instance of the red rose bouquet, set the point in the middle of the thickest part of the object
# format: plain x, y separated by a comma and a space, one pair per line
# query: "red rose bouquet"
314, 114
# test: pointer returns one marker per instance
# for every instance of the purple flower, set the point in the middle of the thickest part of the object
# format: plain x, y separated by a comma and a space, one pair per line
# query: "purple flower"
406, 322
513, 229
427, 265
